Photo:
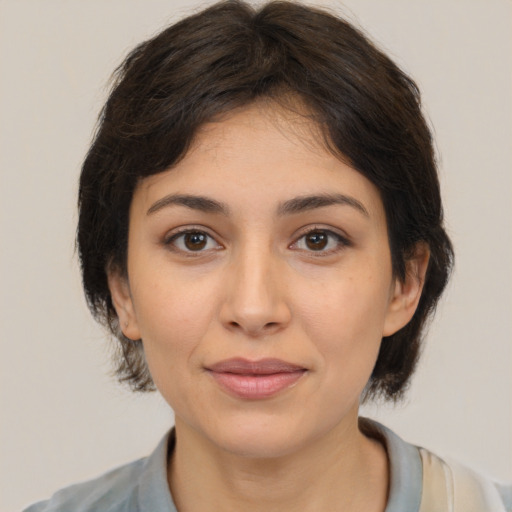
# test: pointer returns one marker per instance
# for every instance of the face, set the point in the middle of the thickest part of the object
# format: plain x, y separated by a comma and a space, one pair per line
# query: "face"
260, 281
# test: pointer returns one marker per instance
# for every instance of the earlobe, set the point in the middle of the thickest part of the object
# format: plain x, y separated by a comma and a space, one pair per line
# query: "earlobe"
123, 304
406, 293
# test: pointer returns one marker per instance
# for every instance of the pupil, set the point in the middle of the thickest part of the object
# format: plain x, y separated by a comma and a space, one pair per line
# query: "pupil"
195, 241
316, 241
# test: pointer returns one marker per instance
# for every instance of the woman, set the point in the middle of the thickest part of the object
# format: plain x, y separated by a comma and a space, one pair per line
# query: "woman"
261, 228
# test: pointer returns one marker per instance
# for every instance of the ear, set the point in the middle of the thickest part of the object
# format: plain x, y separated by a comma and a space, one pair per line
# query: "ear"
123, 304
406, 293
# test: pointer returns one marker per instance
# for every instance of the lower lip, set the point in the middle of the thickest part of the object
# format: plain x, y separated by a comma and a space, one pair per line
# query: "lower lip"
257, 387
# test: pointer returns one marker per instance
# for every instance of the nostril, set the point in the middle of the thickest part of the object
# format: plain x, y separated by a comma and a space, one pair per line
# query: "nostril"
265, 328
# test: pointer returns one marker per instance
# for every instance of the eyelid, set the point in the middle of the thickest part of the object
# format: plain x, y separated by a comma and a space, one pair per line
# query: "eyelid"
343, 240
176, 233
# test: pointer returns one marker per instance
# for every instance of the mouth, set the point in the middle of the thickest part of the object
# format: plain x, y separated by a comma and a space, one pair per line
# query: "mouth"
255, 380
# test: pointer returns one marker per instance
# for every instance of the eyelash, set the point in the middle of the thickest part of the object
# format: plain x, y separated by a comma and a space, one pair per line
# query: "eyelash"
170, 241
340, 241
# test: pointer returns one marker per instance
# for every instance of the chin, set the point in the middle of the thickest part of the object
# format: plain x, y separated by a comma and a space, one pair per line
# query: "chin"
263, 436
261, 443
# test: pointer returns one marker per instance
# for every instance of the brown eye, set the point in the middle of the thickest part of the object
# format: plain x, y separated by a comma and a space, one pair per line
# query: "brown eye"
316, 240
191, 241
321, 241
195, 241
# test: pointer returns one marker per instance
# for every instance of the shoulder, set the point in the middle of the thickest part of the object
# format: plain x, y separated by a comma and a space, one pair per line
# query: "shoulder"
135, 487
112, 491
421, 481
464, 489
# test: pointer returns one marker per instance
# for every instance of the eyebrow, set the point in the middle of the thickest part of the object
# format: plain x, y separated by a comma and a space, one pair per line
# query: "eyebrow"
201, 203
290, 207
305, 203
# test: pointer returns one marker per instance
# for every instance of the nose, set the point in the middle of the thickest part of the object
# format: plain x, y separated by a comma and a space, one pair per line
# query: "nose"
255, 295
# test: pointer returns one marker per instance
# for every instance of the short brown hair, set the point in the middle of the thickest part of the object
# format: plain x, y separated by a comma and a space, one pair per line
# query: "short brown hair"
228, 56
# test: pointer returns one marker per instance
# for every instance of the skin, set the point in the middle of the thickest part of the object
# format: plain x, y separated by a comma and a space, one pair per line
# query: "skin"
260, 288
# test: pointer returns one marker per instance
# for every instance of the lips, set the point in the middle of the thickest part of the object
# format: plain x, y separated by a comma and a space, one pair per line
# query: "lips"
255, 380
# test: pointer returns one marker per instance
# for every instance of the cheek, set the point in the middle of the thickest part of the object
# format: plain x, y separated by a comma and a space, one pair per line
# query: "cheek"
345, 318
173, 317
346, 305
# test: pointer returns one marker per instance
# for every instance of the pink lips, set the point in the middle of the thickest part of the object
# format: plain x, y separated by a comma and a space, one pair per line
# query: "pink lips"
255, 380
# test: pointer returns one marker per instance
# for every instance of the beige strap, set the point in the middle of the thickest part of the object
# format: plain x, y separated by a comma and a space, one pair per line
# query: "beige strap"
454, 488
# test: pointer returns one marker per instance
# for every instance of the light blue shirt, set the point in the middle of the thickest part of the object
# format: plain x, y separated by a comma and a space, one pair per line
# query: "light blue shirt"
141, 486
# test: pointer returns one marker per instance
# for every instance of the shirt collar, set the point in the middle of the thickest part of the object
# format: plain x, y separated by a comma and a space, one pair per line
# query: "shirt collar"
154, 493
405, 468
405, 486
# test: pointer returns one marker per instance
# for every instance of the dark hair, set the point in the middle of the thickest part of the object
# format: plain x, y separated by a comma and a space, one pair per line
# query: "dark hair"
229, 56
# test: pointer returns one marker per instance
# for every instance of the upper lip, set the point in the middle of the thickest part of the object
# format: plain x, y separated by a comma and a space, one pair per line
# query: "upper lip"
242, 366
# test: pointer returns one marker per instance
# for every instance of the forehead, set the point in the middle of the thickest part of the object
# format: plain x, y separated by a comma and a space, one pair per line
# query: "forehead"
287, 116
260, 155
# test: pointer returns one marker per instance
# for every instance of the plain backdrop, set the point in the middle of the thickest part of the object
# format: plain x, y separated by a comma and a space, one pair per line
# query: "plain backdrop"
63, 417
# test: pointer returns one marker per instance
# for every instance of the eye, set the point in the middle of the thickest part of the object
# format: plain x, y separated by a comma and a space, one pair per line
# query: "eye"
320, 240
192, 241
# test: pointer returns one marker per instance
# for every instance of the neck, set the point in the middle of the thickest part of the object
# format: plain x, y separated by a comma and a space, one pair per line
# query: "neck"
344, 470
